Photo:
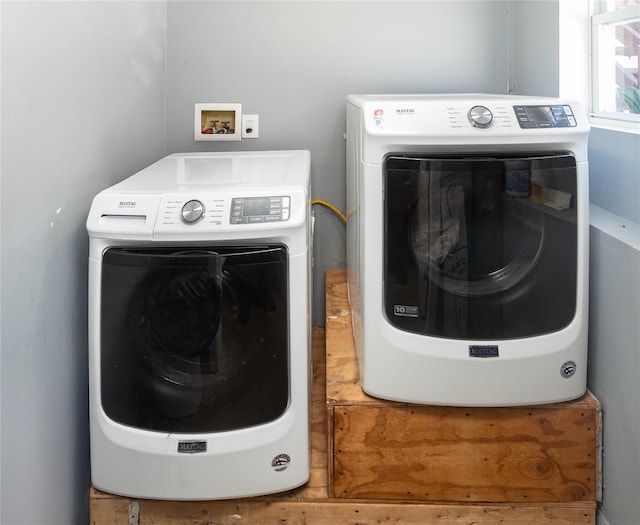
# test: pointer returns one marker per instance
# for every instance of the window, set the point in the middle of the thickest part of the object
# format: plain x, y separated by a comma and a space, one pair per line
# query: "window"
616, 45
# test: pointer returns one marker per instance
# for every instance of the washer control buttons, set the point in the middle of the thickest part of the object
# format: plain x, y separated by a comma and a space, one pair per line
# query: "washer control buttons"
251, 210
557, 116
480, 116
192, 211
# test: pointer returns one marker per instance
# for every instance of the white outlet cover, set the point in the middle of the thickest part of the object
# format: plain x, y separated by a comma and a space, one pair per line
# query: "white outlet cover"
250, 122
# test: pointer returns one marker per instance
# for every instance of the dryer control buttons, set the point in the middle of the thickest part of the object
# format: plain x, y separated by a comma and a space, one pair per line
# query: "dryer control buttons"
480, 116
252, 210
192, 211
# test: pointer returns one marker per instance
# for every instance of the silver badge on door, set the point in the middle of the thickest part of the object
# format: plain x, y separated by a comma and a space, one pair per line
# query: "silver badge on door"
192, 447
402, 310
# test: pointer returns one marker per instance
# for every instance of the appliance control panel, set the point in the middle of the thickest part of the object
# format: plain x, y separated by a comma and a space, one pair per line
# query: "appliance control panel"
220, 211
485, 115
425, 116
558, 116
175, 211
251, 210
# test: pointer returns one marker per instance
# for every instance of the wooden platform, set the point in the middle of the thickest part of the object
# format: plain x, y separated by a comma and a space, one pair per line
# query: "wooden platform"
386, 450
374, 461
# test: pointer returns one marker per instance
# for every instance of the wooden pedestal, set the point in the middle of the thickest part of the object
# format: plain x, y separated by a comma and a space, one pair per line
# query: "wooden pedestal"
376, 461
387, 450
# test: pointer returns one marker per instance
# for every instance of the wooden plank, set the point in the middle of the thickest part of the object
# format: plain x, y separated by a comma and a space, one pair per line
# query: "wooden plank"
316, 487
106, 509
342, 371
111, 510
456, 454
304, 513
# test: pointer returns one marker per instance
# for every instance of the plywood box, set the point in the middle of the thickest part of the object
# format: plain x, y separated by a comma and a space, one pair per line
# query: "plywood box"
397, 451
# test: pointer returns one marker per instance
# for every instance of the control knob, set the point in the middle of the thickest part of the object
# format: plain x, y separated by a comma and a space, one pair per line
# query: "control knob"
480, 116
192, 211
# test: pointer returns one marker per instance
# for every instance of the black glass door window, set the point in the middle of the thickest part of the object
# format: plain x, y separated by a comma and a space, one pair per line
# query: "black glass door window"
194, 339
480, 247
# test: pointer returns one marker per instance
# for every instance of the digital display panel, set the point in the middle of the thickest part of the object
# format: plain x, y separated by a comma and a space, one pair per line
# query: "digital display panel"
560, 116
257, 206
251, 210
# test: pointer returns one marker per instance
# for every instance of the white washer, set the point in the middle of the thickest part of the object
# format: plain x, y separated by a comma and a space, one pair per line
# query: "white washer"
199, 327
467, 247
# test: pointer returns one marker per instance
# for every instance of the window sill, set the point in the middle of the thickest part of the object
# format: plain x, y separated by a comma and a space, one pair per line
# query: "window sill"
623, 126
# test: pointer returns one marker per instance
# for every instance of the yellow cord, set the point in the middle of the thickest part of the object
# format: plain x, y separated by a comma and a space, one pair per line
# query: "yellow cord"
332, 208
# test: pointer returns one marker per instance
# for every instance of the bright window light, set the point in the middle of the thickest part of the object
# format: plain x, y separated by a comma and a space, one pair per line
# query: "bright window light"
616, 45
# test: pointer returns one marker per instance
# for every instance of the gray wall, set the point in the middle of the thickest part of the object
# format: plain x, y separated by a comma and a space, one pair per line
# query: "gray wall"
83, 106
534, 36
614, 373
293, 63
614, 165
614, 321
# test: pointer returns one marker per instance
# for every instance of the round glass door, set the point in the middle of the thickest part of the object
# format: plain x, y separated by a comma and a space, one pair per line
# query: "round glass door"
194, 340
470, 251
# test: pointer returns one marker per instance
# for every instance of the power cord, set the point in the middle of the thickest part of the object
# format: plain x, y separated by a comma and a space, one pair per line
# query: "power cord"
331, 207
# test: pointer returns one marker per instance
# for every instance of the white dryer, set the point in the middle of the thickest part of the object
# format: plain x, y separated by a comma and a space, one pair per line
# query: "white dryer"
467, 247
199, 327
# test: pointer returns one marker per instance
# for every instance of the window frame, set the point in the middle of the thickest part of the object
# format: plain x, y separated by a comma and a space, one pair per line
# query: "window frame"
608, 119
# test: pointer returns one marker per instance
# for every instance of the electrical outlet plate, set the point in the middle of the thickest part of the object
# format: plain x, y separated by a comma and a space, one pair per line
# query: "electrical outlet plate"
249, 126
217, 122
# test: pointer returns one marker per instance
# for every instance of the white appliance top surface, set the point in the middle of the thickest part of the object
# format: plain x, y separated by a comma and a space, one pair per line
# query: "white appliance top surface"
199, 195
183, 172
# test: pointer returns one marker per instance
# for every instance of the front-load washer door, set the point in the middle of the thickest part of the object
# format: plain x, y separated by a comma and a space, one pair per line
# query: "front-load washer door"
194, 339
480, 247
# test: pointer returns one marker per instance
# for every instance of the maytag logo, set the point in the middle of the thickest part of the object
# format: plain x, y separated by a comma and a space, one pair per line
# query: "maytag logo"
405, 111
127, 204
192, 447
483, 351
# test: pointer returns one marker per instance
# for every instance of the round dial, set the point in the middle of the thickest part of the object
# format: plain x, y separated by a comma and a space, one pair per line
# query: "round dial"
192, 211
480, 117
